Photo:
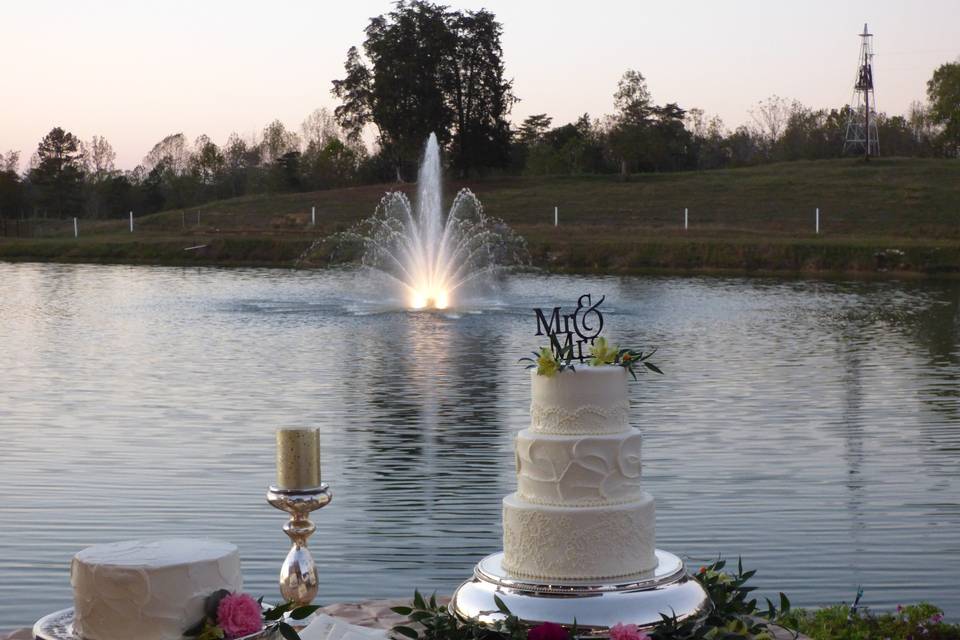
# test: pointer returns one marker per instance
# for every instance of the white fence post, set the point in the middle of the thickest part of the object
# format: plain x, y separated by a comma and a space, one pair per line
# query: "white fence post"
686, 218
76, 229
556, 216
313, 216
817, 221
131, 222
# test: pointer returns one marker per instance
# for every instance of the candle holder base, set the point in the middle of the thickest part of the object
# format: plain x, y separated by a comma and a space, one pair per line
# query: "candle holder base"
298, 574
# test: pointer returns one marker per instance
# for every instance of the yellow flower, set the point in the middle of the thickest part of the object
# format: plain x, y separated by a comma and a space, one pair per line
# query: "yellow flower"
602, 353
547, 365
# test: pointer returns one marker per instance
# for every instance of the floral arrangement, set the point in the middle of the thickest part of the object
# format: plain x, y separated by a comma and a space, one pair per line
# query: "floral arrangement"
734, 616
602, 353
235, 615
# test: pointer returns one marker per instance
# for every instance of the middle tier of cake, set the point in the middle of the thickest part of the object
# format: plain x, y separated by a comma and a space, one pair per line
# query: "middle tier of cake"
578, 470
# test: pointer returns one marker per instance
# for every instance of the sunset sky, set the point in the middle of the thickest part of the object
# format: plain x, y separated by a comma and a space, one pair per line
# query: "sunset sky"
137, 71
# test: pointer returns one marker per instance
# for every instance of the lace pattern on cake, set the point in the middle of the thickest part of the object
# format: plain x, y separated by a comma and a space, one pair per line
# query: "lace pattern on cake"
584, 420
564, 546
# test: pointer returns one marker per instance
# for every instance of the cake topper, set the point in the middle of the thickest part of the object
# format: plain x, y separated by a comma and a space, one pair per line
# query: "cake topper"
569, 332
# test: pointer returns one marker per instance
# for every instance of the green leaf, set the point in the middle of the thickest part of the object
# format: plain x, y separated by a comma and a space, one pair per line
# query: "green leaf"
418, 600
403, 611
288, 632
784, 603
433, 600
196, 629
302, 612
406, 631
653, 367
501, 605
277, 612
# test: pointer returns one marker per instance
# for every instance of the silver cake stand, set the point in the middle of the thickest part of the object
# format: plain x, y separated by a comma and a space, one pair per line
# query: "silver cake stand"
638, 600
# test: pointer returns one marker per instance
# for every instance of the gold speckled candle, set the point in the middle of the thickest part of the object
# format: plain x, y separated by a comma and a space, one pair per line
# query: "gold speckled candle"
298, 458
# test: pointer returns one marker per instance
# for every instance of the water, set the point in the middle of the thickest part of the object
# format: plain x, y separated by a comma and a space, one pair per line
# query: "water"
813, 427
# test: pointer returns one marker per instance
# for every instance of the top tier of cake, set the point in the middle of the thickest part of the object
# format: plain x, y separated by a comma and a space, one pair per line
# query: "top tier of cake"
588, 401
149, 590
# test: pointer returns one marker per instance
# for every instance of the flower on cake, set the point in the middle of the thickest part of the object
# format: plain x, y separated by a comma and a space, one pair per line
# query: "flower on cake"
602, 353
547, 363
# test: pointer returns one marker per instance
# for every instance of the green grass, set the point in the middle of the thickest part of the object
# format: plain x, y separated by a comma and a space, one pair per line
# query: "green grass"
751, 219
838, 622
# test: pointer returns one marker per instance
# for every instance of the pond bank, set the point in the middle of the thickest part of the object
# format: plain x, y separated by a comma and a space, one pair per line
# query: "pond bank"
597, 252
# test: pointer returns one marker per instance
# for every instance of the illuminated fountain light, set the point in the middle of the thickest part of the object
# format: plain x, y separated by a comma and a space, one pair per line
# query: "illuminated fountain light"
431, 260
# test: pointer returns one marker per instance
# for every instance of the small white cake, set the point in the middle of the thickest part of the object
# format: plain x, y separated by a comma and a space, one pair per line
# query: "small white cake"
579, 512
149, 590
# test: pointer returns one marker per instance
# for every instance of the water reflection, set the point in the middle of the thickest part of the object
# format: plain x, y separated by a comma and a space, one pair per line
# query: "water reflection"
813, 427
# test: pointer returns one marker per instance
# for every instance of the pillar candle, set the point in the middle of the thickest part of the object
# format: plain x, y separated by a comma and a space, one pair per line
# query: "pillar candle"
298, 458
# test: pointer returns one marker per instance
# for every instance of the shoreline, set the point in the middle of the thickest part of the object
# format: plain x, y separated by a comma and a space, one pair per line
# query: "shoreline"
917, 260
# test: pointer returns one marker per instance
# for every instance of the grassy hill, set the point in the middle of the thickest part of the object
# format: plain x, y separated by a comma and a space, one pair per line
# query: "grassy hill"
891, 214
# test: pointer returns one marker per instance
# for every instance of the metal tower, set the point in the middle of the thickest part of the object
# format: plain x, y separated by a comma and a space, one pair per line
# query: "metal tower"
862, 115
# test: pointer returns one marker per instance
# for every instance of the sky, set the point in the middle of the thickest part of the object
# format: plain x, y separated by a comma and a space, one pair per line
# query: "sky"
135, 72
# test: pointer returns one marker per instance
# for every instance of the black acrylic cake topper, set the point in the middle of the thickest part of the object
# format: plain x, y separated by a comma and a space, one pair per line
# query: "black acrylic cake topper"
568, 332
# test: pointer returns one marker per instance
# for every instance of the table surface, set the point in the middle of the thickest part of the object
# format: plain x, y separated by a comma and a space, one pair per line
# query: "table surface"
371, 613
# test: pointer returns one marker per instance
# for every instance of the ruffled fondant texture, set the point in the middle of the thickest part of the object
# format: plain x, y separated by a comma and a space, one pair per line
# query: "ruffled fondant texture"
578, 470
589, 400
578, 543
150, 590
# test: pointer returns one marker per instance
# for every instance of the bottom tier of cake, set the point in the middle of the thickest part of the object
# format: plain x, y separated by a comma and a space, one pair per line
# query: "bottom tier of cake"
578, 543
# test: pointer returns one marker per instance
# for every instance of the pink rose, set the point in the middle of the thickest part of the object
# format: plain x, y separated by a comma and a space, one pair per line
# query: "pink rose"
239, 615
626, 632
548, 631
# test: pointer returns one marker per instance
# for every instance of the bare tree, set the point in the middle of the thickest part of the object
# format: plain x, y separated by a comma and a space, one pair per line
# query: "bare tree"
771, 116
99, 158
319, 127
10, 162
172, 151
277, 141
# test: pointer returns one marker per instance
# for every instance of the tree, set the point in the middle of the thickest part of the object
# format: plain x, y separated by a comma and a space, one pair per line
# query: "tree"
58, 174
632, 100
532, 129
172, 152
277, 142
628, 134
207, 162
943, 91
480, 96
429, 70
11, 187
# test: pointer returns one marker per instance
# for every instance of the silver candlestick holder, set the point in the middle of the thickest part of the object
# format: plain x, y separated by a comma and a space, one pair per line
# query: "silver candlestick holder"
298, 574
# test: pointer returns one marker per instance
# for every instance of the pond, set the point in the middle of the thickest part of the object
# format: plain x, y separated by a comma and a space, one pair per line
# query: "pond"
812, 427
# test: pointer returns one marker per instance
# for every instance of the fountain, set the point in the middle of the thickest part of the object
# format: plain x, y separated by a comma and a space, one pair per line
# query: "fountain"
432, 262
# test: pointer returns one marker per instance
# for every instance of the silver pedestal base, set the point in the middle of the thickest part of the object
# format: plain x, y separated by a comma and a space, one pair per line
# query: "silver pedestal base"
635, 600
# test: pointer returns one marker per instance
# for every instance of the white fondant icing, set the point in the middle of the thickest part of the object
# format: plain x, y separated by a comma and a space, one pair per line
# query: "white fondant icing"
578, 543
578, 470
150, 590
588, 400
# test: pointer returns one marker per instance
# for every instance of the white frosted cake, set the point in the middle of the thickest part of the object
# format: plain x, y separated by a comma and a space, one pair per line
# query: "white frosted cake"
579, 512
149, 590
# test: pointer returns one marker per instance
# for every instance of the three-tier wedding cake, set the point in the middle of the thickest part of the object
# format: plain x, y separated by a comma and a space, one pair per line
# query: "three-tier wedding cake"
579, 512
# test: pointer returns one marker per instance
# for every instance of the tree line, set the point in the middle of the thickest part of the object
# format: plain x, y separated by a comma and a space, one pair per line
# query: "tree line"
425, 68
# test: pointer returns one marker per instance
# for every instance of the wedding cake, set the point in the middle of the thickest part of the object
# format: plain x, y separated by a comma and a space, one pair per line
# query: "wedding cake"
149, 590
579, 512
